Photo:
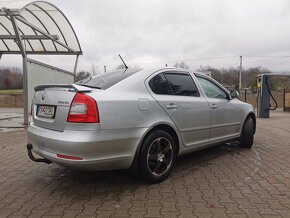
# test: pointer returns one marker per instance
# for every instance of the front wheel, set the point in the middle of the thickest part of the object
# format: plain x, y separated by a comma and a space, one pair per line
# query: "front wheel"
158, 154
247, 136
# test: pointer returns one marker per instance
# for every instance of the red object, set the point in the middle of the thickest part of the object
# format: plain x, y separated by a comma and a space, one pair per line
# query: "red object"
83, 109
69, 157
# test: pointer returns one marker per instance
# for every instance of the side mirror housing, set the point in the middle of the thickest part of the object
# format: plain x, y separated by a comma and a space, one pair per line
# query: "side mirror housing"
234, 94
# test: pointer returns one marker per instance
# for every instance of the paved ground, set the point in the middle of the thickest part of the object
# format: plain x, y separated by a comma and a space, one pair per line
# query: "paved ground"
11, 119
224, 181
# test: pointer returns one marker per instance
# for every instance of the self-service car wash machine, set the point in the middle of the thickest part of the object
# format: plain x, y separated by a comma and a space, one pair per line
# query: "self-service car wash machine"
264, 94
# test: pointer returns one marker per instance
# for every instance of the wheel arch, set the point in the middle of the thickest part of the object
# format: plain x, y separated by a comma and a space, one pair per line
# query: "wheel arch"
253, 117
161, 126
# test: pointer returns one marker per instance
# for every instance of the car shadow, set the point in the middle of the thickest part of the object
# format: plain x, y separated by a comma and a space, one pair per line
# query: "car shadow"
185, 163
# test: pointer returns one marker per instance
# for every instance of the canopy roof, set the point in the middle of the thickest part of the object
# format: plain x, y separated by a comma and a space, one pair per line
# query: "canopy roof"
42, 28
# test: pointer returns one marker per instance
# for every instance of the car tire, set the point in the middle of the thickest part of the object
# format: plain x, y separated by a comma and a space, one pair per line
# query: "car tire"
157, 157
247, 136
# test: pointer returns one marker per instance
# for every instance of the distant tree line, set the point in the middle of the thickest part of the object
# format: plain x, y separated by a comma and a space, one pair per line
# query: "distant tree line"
229, 77
11, 78
82, 75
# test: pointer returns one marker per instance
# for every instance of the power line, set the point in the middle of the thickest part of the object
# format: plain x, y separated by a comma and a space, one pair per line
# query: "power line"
267, 59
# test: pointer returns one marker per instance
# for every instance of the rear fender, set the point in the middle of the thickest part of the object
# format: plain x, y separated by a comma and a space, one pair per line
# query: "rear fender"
135, 164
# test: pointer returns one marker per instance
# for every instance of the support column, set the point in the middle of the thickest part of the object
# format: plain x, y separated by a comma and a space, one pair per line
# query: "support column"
24, 67
75, 68
25, 89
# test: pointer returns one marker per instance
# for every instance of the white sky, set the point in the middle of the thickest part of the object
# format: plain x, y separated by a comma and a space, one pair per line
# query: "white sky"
156, 32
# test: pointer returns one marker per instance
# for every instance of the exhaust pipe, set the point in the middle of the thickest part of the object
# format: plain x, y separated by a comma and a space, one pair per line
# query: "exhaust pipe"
30, 155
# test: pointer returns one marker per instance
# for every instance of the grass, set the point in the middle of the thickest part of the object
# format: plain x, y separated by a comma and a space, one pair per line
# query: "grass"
11, 91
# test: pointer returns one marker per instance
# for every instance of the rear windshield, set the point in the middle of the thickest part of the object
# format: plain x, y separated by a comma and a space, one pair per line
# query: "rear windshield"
109, 79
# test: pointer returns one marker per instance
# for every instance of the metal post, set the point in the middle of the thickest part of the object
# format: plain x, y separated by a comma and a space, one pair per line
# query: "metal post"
284, 100
25, 90
246, 90
105, 69
76, 66
240, 73
24, 68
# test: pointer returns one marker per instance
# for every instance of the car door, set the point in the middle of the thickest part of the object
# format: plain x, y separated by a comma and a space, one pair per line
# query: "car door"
225, 113
177, 94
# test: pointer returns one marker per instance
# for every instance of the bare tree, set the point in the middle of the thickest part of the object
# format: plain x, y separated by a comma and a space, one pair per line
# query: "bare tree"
11, 78
182, 64
120, 67
94, 69
82, 75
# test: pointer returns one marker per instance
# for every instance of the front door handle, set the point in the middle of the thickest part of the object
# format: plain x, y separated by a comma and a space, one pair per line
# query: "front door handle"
214, 106
171, 106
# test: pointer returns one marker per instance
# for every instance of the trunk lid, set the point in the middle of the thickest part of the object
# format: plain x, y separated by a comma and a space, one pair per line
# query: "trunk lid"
51, 104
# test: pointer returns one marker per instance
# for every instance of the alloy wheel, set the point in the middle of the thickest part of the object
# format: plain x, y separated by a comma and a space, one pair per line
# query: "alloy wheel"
159, 157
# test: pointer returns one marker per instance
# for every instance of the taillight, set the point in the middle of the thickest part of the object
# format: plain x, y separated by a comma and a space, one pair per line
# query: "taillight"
83, 109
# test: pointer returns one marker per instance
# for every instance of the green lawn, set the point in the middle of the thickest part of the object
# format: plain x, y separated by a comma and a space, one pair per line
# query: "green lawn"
11, 91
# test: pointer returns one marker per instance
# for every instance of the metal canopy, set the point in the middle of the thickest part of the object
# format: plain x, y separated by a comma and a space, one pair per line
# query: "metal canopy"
37, 28
42, 27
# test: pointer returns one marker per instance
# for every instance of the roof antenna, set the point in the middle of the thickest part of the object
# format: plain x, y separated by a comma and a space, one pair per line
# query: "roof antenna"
123, 62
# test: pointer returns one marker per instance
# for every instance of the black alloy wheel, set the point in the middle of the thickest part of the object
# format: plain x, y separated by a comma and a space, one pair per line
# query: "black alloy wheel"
158, 156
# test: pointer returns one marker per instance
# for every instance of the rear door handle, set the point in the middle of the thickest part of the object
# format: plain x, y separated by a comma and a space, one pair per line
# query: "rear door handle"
171, 106
214, 106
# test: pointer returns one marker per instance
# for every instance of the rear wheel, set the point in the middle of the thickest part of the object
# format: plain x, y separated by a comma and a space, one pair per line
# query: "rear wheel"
247, 136
158, 154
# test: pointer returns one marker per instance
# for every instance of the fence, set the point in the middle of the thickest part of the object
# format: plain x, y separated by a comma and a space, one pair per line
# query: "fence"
16, 100
251, 98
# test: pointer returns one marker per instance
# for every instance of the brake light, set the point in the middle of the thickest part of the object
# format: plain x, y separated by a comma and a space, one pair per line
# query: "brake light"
83, 109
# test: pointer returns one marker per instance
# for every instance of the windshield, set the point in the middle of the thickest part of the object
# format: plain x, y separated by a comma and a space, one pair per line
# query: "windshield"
109, 79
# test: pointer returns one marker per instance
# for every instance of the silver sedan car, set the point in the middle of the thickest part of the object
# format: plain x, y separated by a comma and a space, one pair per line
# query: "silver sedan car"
135, 118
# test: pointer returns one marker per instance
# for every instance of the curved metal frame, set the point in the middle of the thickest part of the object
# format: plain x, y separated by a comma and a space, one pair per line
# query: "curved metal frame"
15, 16
19, 17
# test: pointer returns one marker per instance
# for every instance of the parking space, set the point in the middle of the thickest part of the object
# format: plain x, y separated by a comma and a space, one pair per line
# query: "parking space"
224, 181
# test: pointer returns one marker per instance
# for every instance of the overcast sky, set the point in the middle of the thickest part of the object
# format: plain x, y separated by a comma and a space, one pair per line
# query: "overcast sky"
156, 32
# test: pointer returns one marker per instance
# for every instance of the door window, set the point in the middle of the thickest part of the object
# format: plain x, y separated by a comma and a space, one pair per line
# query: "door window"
182, 84
210, 89
173, 84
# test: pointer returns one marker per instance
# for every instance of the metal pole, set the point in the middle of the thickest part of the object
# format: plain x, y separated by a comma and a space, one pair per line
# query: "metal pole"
25, 90
24, 68
284, 99
76, 66
240, 73
105, 69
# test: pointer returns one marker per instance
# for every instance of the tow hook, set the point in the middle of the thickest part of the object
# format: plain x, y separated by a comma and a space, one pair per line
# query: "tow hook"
30, 155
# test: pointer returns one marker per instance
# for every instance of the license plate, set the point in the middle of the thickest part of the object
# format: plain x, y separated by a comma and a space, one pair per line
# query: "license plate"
45, 111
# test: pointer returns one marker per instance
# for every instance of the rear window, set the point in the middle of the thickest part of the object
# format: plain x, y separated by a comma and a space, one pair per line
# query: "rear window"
159, 85
109, 79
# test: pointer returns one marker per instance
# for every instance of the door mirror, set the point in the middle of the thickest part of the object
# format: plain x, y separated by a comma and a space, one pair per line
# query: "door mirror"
234, 94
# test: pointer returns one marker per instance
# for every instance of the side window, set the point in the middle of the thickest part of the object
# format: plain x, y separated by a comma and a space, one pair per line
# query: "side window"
210, 89
159, 85
182, 84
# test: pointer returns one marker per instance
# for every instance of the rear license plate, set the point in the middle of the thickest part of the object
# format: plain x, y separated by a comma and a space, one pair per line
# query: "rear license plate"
45, 111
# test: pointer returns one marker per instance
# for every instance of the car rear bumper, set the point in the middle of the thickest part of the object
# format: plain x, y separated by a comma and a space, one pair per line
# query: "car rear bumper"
94, 150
